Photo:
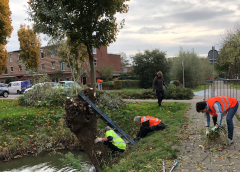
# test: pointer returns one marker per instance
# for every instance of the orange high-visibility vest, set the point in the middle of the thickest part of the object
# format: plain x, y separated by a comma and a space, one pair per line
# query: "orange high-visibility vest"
152, 121
226, 103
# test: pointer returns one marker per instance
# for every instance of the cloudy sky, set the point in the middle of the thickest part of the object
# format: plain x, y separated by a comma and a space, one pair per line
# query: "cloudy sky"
164, 24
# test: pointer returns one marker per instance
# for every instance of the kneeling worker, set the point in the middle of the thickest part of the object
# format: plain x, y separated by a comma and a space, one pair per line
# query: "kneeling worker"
148, 124
113, 141
219, 107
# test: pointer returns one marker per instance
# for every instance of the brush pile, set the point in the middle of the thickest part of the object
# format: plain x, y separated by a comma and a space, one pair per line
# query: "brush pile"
217, 138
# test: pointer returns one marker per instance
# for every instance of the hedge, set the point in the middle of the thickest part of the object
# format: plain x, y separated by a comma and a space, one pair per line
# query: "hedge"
119, 84
172, 92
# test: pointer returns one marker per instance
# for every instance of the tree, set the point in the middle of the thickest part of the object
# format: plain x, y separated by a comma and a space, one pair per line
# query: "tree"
3, 58
92, 23
147, 64
106, 72
124, 59
29, 47
195, 68
5, 22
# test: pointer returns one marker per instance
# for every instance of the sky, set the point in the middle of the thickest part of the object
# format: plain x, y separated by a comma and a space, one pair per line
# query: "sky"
163, 24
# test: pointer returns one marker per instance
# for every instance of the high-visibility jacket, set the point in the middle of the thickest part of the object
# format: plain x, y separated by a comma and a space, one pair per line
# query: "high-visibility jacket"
117, 140
226, 104
152, 121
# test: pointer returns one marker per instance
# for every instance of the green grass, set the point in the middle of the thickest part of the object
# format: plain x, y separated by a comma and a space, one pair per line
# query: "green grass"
235, 85
19, 123
151, 150
201, 87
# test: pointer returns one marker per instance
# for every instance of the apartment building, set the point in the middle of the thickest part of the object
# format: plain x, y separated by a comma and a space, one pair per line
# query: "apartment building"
57, 70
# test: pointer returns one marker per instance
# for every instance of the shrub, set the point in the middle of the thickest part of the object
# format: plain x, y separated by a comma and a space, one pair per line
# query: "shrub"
109, 83
46, 96
172, 92
117, 84
108, 101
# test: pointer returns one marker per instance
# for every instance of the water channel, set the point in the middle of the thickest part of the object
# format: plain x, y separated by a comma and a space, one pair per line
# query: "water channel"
43, 163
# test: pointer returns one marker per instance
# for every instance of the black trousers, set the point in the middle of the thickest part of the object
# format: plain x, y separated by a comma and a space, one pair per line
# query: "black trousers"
214, 118
114, 149
160, 95
144, 131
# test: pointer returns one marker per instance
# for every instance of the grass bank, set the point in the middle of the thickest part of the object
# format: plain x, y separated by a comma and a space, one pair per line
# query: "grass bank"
149, 152
31, 129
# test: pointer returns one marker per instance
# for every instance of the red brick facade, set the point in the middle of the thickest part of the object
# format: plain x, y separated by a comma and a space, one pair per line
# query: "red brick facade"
51, 64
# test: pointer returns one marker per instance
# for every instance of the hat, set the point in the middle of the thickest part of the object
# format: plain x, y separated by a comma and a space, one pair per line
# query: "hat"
107, 128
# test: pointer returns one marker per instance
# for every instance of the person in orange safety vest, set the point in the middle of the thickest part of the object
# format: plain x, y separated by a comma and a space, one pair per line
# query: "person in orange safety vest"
148, 124
219, 107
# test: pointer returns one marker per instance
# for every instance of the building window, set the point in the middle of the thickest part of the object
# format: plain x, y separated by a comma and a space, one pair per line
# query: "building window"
42, 66
94, 50
67, 78
62, 66
52, 54
53, 65
11, 68
10, 57
6, 72
20, 68
18, 56
95, 62
41, 54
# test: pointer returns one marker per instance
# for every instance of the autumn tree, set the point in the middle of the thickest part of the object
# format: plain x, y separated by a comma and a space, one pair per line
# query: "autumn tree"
147, 64
5, 22
5, 32
125, 61
106, 72
29, 47
92, 23
3, 59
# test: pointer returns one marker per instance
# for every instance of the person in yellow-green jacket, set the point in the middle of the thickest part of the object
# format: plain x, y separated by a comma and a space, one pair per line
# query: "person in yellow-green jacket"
112, 140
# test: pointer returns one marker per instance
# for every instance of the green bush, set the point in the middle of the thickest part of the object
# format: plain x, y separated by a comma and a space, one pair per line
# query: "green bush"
109, 83
108, 101
172, 92
117, 84
46, 96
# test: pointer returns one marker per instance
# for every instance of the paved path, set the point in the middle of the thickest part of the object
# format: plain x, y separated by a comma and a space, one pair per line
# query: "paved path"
193, 158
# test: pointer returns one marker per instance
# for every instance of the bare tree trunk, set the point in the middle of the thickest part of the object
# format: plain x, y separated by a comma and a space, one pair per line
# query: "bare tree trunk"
92, 69
83, 123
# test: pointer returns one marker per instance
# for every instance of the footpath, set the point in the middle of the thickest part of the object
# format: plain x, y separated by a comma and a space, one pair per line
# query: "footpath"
193, 157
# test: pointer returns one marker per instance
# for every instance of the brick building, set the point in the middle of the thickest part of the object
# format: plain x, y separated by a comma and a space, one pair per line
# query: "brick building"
57, 70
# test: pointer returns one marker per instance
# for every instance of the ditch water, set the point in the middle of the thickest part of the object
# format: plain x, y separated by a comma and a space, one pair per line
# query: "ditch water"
43, 163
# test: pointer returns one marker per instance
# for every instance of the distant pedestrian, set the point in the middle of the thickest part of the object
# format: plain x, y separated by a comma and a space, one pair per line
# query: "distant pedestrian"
157, 85
219, 107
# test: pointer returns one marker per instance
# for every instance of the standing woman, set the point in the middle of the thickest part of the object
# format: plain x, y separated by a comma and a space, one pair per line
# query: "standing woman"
158, 83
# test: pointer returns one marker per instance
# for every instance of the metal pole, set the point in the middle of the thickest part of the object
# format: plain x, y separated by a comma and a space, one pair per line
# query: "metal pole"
183, 75
213, 85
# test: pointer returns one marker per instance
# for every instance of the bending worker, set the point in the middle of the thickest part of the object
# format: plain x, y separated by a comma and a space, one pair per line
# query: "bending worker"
219, 107
113, 141
148, 124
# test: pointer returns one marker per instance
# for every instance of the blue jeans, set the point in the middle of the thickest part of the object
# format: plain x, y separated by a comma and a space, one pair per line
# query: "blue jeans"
229, 118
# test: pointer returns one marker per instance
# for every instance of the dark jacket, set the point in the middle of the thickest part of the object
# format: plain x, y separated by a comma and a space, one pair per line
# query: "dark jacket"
158, 83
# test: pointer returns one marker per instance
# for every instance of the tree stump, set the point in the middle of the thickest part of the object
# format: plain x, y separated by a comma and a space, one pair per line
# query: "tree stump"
82, 121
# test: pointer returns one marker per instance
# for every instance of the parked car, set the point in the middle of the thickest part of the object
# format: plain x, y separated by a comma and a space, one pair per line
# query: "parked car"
45, 84
4, 91
66, 85
18, 86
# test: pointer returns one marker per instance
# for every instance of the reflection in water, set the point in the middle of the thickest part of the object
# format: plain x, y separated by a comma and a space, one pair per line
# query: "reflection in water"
43, 163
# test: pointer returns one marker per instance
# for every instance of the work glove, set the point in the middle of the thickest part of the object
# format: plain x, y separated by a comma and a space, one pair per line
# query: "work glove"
165, 86
207, 131
213, 129
97, 140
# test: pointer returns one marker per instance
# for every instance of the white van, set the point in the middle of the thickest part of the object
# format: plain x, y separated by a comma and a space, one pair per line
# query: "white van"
18, 86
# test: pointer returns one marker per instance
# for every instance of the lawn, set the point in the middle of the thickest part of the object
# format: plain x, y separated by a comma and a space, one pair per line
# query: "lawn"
149, 152
21, 126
